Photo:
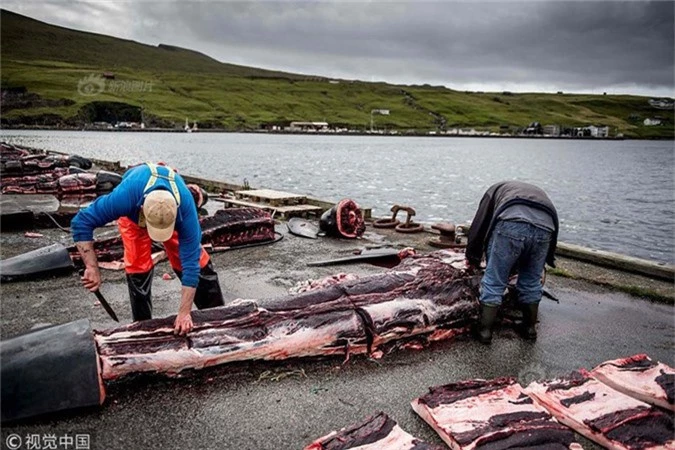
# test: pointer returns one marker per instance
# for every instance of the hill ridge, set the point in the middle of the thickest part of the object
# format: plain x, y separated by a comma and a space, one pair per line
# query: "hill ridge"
48, 71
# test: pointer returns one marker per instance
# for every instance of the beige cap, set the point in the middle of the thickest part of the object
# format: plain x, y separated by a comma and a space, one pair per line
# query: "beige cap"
160, 210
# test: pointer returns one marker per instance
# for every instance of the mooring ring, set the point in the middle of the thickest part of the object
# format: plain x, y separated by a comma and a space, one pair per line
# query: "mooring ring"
410, 227
386, 223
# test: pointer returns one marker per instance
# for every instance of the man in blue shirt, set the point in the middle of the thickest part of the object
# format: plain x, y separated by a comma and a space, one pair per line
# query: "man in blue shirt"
152, 203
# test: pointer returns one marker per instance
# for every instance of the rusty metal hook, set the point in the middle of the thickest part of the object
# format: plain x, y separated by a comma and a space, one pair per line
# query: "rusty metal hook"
409, 226
388, 222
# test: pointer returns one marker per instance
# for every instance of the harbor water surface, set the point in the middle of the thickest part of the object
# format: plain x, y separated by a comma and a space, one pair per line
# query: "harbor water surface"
610, 195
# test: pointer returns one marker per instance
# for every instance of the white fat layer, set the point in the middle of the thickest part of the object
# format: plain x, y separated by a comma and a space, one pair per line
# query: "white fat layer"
606, 400
425, 413
380, 312
282, 341
636, 384
474, 412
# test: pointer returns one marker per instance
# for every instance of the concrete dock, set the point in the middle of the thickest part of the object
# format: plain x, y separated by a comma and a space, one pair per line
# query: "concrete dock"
260, 406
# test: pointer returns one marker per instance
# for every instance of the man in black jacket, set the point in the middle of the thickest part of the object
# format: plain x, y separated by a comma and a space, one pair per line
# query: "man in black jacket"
516, 226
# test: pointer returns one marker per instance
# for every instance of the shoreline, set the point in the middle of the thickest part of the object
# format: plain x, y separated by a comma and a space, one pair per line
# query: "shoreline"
360, 133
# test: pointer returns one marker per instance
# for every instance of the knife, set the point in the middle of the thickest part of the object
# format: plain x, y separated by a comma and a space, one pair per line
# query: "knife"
547, 293
104, 303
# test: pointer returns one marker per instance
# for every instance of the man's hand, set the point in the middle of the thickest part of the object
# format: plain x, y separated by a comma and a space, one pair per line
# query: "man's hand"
183, 324
91, 279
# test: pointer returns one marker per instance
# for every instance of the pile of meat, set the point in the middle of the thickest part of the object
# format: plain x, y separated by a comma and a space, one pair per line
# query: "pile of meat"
25, 171
376, 432
490, 414
640, 377
604, 415
63, 182
232, 227
499, 414
423, 299
18, 161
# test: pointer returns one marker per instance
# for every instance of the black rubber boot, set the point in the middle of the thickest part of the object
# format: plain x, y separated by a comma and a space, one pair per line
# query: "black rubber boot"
208, 293
488, 315
529, 328
140, 292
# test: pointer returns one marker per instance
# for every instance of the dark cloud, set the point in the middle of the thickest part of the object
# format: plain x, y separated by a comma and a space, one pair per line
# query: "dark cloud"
619, 47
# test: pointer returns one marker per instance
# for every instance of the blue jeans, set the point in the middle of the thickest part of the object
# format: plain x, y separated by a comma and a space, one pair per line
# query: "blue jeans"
520, 246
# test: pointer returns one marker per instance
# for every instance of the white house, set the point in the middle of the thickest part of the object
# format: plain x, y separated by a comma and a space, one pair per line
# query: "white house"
551, 130
599, 131
650, 122
309, 126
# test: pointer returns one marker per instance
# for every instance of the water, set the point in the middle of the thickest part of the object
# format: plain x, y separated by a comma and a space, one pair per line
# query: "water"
611, 195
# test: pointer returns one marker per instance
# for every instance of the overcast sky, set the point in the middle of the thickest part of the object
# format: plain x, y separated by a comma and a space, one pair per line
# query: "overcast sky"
575, 46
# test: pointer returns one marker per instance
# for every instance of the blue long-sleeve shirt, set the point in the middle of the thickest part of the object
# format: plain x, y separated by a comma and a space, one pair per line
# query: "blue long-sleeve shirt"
126, 200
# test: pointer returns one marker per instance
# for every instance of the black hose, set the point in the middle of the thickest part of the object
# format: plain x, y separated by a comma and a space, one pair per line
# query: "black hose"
58, 225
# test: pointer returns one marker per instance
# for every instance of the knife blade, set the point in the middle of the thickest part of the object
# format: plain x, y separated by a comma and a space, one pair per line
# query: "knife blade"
547, 293
103, 302
106, 305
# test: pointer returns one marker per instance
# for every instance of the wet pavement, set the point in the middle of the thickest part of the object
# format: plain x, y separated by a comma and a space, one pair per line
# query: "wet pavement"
287, 405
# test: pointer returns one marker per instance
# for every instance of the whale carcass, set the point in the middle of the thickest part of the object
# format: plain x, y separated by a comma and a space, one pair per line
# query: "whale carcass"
425, 298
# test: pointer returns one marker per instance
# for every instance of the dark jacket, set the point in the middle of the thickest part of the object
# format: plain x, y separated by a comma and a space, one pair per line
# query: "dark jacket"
497, 198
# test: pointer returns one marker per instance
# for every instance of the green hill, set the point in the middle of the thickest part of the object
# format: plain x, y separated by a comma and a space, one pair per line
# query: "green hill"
55, 76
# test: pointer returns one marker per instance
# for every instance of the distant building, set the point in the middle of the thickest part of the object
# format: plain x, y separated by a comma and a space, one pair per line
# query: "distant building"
533, 128
652, 121
661, 103
309, 126
591, 131
599, 132
108, 75
127, 125
551, 130
582, 132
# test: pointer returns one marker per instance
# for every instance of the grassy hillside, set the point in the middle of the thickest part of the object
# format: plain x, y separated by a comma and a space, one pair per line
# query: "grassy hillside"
45, 67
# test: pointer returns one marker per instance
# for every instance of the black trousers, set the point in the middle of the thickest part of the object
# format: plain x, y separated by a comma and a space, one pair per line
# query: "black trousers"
208, 293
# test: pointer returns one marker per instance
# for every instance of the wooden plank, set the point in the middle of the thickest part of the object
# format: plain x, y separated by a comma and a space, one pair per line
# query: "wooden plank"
617, 261
272, 197
268, 207
269, 194
212, 185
